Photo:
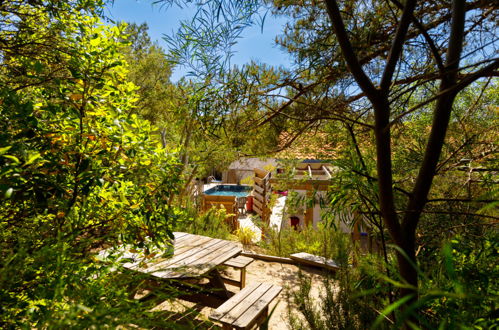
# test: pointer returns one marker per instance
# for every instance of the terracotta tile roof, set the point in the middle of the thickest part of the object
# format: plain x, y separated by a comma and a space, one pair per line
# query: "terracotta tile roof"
307, 146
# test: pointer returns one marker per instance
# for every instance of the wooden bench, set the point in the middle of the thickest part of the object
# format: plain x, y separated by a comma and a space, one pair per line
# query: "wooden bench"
247, 308
239, 262
313, 260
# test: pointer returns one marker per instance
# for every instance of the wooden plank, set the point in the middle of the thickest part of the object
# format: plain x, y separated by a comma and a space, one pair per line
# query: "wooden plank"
269, 258
193, 242
257, 210
187, 247
258, 189
139, 260
239, 262
244, 305
313, 260
219, 198
319, 185
254, 311
267, 177
186, 251
268, 187
199, 257
179, 242
259, 196
231, 281
196, 269
232, 302
258, 181
179, 234
235, 250
190, 239
194, 253
260, 173
181, 245
258, 203
324, 168
215, 253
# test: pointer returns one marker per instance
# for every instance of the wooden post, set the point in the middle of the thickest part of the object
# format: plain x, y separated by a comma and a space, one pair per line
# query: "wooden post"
243, 278
309, 213
309, 216
356, 237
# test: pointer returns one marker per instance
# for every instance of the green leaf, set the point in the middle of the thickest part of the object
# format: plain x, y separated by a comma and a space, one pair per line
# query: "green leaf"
13, 158
8, 193
32, 158
4, 149
39, 67
95, 42
390, 309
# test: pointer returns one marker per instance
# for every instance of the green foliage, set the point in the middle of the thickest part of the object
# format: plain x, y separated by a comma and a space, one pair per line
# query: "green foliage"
323, 240
77, 170
349, 297
245, 235
462, 292
54, 287
72, 147
212, 223
150, 71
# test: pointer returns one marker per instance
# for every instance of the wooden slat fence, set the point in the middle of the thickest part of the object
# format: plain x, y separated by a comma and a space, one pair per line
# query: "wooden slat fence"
227, 202
261, 194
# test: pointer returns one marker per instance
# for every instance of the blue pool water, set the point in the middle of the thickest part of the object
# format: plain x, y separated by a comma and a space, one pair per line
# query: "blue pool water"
229, 190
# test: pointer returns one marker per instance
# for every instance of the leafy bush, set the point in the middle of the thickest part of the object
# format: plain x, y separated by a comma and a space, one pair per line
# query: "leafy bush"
77, 170
349, 298
212, 223
320, 241
245, 235
462, 292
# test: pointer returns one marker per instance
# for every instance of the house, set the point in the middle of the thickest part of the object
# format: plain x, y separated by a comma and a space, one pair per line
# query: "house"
243, 169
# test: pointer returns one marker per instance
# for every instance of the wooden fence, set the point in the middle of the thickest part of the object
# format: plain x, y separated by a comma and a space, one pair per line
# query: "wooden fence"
261, 194
227, 202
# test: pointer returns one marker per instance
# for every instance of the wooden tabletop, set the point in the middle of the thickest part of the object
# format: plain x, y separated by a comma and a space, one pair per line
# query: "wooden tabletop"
194, 256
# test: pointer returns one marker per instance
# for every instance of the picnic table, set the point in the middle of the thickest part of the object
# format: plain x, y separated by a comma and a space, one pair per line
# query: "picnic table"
194, 257
197, 257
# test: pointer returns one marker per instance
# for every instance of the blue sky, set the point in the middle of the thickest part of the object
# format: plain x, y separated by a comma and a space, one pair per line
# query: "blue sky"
253, 45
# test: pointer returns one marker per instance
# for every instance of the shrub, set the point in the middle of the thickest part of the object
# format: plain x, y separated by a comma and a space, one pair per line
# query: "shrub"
245, 235
77, 170
211, 223
347, 298
320, 241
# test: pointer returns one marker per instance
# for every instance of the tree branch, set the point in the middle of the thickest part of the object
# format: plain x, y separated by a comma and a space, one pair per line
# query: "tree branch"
346, 47
441, 118
429, 41
397, 46
456, 88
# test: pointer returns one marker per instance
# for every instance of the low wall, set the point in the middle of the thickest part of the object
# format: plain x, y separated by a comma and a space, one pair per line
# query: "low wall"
227, 202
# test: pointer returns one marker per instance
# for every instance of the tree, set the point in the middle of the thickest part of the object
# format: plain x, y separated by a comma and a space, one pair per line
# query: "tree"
403, 231
364, 71
77, 169
148, 69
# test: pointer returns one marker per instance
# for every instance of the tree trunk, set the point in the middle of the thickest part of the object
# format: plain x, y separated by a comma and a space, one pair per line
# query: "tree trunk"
404, 233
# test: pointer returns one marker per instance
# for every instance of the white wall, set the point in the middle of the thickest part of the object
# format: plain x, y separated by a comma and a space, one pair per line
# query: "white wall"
318, 213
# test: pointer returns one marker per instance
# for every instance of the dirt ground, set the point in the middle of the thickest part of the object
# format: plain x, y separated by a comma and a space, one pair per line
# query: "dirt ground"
284, 275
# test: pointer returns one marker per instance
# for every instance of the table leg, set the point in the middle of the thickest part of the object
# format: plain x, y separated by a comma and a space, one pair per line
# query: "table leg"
217, 283
243, 278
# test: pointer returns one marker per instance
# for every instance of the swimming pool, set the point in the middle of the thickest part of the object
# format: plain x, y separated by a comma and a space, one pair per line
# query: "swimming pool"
229, 190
